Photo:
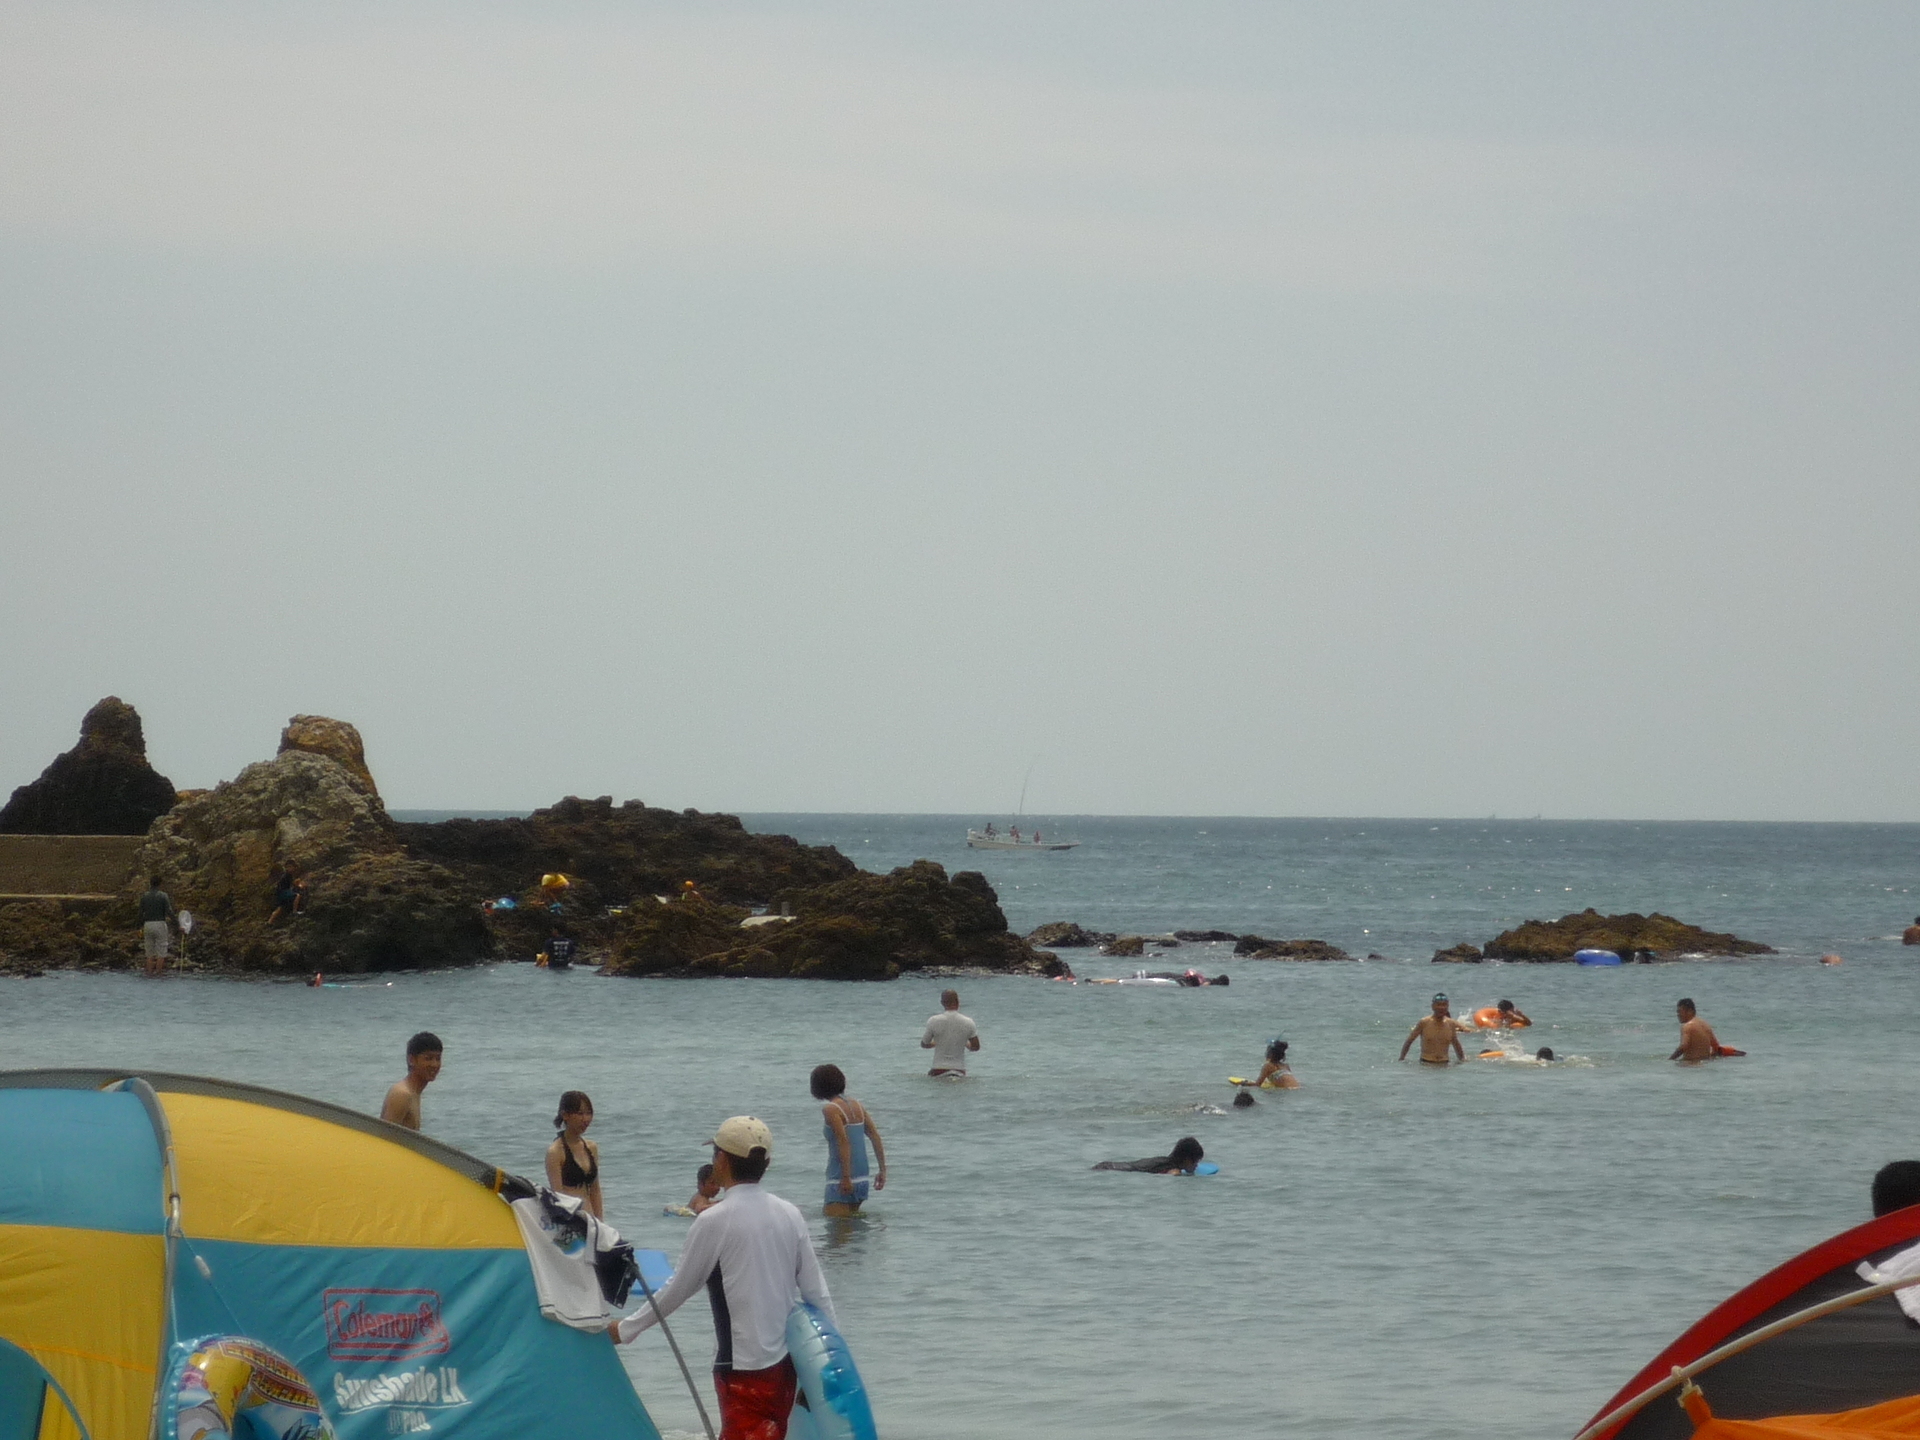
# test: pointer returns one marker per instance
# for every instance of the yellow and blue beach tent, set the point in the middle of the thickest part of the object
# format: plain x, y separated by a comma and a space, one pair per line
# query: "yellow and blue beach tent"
167, 1239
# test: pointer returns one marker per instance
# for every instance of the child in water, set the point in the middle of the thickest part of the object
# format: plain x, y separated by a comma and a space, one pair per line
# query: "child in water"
706, 1193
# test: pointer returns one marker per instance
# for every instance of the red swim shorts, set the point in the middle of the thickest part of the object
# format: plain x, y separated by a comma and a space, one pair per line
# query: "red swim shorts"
755, 1404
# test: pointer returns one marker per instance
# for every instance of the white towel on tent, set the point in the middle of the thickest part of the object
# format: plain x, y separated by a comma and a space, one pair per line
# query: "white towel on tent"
563, 1269
1903, 1266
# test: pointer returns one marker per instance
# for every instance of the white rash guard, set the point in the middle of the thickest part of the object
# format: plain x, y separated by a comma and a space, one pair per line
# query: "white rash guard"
754, 1258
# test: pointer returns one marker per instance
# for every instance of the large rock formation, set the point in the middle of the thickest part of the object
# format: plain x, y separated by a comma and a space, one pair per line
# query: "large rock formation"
369, 905
103, 786
1662, 936
862, 927
613, 855
383, 896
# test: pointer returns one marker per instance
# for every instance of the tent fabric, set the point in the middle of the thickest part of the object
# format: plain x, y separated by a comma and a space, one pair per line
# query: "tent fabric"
385, 1266
1895, 1420
260, 1175
82, 1263
1854, 1359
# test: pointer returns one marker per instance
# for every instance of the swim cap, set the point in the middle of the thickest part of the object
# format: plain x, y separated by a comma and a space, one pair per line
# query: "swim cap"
1439, 997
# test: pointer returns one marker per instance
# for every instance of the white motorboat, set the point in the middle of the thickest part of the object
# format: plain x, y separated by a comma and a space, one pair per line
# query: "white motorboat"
991, 839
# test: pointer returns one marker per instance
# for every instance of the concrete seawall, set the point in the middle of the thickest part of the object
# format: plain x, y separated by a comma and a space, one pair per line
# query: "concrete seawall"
67, 866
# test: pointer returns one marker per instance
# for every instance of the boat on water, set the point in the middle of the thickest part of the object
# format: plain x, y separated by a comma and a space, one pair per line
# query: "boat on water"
991, 839
1826, 1344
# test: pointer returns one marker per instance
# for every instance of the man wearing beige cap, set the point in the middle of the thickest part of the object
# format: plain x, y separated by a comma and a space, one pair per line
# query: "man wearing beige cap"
753, 1257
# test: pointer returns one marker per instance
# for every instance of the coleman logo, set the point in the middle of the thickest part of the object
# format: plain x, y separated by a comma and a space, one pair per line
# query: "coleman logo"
384, 1324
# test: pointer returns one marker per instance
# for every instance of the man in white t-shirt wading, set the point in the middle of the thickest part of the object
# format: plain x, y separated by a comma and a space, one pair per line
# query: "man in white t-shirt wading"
950, 1035
754, 1259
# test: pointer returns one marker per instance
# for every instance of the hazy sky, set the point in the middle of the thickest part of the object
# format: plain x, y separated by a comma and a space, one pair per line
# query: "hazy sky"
1374, 409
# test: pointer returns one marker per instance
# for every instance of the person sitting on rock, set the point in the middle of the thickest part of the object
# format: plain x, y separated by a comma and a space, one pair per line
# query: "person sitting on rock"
1185, 1156
289, 892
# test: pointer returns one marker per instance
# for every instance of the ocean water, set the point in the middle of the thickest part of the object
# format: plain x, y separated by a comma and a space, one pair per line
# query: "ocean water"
1390, 1251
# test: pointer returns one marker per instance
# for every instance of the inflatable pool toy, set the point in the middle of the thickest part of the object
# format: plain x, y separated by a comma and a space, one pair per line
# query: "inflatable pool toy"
1486, 1018
1205, 1167
1727, 1050
1240, 1082
1596, 957
224, 1385
831, 1402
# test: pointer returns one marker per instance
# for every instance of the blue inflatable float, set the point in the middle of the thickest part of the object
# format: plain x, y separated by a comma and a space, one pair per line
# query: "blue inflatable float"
1595, 957
832, 1403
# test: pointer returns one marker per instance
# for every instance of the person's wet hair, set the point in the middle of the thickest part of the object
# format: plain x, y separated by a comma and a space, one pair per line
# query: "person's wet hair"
1222, 979
1688, 1004
572, 1102
1187, 1152
826, 1082
1277, 1051
425, 1043
1504, 1005
1545, 1052
1897, 1185
703, 1174
1243, 1100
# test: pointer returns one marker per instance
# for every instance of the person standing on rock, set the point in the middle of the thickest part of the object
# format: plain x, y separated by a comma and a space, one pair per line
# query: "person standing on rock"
402, 1105
289, 892
950, 1035
156, 926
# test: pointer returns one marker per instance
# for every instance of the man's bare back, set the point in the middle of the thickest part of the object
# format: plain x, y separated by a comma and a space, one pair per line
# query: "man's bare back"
1697, 1040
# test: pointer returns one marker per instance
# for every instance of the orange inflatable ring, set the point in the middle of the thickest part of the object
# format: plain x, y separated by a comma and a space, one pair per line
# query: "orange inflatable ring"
1486, 1018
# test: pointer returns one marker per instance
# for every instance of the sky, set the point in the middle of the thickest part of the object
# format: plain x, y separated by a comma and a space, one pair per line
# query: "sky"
1203, 409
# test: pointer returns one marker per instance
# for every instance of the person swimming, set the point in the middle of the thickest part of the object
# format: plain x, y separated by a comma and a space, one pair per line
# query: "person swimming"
1545, 1053
1186, 1154
1243, 1099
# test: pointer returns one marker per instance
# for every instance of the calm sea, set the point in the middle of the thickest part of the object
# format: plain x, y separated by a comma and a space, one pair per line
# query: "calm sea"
1487, 1251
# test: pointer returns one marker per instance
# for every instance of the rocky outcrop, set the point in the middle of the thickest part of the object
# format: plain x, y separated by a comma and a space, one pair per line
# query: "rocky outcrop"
1125, 946
103, 786
1258, 947
369, 905
1627, 935
863, 927
335, 739
381, 896
1456, 955
36, 935
1206, 937
1065, 935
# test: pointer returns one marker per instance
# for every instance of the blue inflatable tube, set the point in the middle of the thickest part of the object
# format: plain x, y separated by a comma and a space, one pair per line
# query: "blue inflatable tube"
1595, 957
832, 1403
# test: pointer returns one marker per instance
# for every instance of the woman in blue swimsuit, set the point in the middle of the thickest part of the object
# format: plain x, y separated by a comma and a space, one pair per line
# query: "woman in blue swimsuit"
849, 1129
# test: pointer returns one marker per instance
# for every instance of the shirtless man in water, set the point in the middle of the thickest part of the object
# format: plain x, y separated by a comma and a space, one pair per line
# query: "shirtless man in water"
1697, 1040
1435, 1033
402, 1105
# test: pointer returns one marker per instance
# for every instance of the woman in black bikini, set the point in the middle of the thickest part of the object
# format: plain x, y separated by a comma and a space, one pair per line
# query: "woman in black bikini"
573, 1161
